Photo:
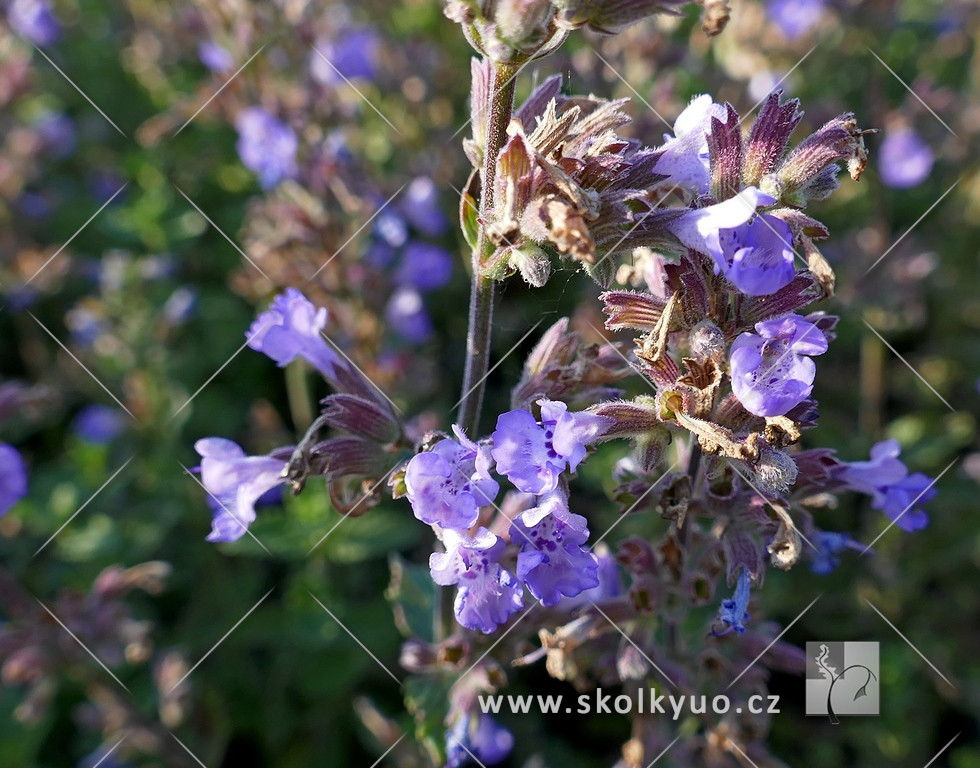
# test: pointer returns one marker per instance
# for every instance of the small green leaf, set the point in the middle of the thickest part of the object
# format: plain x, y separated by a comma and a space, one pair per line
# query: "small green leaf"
862, 691
469, 212
412, 595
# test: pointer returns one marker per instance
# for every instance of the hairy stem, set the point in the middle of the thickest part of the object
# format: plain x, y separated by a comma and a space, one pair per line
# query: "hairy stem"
482, 287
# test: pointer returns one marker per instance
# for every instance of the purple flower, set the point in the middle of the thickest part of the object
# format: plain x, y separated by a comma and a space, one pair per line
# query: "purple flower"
179, 306
487, 594
391, 228
758, 257
421, 207
266, 145
552, 561
771, 372
34, 21
57, 132
13, 478
448, 485
795, 17
236, 482
700, 228
99, 424
477, 736
424, 266
905, 159
291, 328
352, 55
214, 57
684, 158
733, 612
828, 545
532, 456
891, 488
406, 314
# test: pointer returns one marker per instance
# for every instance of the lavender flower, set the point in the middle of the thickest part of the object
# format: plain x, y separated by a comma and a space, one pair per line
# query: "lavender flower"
13, 478
795, 17
421, 207
266, 145
829, 544
214, 57
905, 159
291, 328
448, 485
552, 561
532, 456
700, 228
487, 593
406, 314
57, 132
34, 21
758, 257
892, 489
424, 266
99, 424
236, 482
684, 158
477, 736
352, 55
771, 372
733, 612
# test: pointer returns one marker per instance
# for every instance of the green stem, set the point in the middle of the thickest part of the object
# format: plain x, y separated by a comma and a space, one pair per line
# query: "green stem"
501, 107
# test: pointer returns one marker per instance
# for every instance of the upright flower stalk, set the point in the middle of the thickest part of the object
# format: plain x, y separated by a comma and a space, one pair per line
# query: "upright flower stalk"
503, 83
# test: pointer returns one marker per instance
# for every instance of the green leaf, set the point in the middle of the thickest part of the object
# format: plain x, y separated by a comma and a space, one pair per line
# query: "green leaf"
427, 699
412, 595
469, 212
862, 691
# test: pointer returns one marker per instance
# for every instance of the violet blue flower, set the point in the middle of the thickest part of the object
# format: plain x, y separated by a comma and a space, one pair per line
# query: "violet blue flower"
552, 562
733, 612
99, 424
13, 478
34, 21
391, 228
448, 485
352, 55
57, 132
892, 489
771, 372
424, 266
795, 17
829, 544
236, 482
758, 257
487, 593
700, 228
406, 314
684, 158
214, 57
421, 207
533, 456
477, 736
290, 328
904, 160
266, 146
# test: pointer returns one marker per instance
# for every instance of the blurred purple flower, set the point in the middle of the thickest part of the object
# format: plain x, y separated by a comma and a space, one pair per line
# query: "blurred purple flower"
214, 57
236, 482
13, 478
700, 228
487, 593
532, 456
771, 372
179, 306
421, 207
477, 736
104, 184
266, 146
406, 314
733, 612
57, 132
353, 54
552, 561
795, 17
684, 158
34, 206
829, 545
99, 424
391, 228
103, 757
905, 159
758, 257
448, 485
34, 21
424, 266
291, 328
892, 489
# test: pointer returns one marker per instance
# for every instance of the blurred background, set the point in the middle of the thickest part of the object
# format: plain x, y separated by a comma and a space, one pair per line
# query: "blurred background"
165, 168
